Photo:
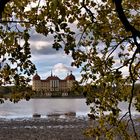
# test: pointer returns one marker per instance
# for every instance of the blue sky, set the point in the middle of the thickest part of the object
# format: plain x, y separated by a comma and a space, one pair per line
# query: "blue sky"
48, 59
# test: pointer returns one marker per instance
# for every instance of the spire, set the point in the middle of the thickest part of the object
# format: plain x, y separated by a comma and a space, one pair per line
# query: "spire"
51, 73
67, 74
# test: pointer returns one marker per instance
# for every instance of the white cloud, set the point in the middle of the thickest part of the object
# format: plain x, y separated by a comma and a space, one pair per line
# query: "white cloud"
39, 44
61, 69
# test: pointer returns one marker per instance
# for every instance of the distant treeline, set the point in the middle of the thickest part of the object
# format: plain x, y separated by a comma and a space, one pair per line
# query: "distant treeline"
13, 89
15, 93
5, 89
137, 89
76, 90
92, 89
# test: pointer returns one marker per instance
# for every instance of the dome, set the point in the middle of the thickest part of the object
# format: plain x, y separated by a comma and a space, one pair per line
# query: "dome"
70, 77
36, 77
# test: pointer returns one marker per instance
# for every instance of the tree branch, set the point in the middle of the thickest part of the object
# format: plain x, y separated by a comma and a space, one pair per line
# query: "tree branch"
14, 21
135, 33
124, 19
132, 93
128, 27
88, 11
2, 6
115, 47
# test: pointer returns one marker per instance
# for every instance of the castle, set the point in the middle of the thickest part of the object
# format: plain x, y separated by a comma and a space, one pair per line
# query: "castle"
53, 85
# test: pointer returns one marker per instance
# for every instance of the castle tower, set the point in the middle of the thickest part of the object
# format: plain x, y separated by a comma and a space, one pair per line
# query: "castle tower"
70, 80
36, 82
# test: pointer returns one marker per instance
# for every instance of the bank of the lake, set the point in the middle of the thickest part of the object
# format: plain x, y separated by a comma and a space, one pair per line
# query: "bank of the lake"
71, 128
53, 128
58, 97
17, 122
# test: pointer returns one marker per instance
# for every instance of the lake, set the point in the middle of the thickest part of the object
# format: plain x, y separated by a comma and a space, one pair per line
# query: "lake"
25, 109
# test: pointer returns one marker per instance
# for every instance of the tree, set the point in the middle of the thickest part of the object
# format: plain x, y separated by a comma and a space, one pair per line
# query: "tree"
103, 39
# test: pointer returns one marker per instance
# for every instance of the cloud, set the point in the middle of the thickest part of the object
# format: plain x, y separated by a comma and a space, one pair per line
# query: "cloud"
46, 63
39, 37
42, 45
51, 60
43, 50
48, 59
62, 70
60, 67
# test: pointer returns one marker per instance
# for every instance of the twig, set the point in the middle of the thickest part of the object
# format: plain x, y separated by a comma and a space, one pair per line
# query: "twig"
88, 11
123, 117
38, 8
122, 65
14, 21
132, 93
118, 45
78, 44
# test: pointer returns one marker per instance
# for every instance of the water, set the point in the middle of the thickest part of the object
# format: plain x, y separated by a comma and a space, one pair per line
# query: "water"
25, 109
43, 106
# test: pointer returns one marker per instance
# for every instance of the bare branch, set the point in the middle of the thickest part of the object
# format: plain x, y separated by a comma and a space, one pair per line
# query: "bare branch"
2, 6
115, 47
125, 64
14, 21
124, 19
125, 22
88, 11
135, 33
132, 92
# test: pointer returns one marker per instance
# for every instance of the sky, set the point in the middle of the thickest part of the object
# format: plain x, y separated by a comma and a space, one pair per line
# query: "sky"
48, 59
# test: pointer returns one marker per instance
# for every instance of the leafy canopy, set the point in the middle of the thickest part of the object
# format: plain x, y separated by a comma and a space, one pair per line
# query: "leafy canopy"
102, 37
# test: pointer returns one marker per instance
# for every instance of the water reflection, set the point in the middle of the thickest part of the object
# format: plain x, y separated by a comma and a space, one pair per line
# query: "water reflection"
50, 106
43, 106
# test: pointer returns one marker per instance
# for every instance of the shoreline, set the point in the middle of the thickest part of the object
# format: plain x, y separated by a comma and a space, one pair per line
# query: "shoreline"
63, 97
51, 128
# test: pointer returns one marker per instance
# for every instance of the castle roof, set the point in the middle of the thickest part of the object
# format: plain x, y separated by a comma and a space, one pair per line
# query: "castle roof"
36, 77
52, 78
70, 77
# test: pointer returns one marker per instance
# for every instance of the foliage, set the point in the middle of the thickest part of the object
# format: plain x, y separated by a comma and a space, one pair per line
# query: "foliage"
101, 36
15, 93
76, 90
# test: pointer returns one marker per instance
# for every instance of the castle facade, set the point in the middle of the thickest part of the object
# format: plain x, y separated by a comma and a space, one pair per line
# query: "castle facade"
53, 85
